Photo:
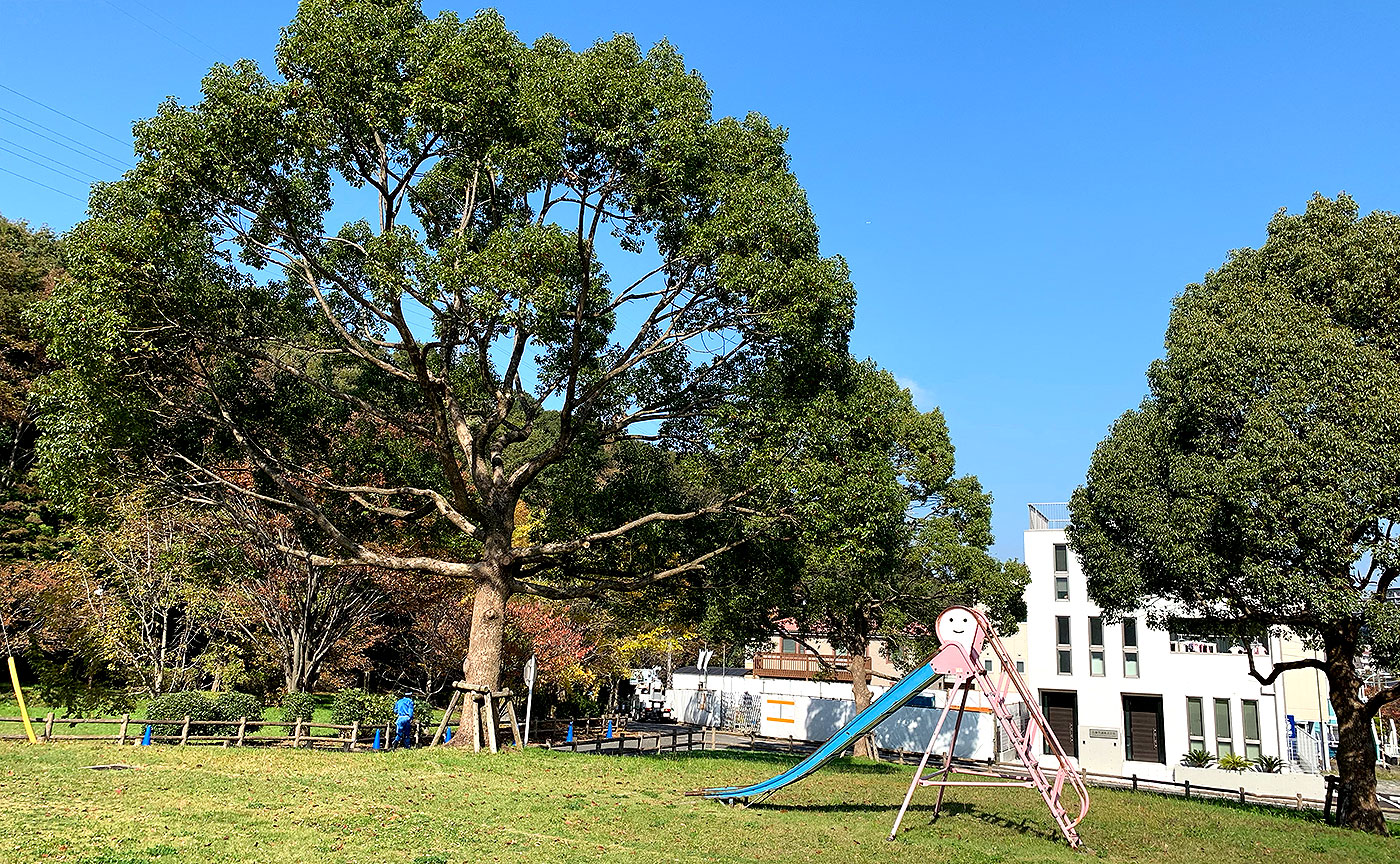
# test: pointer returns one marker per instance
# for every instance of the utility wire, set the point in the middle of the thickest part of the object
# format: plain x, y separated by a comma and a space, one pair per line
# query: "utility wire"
45, 185
164, 36
72, 168
184, 31
67, 116
60, 172
101, 158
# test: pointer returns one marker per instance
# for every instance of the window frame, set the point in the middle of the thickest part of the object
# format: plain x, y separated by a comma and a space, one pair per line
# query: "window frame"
1064, 648
1096, 650
1223, 746
1251, 743
1132, 665
1061, 573
1196, 741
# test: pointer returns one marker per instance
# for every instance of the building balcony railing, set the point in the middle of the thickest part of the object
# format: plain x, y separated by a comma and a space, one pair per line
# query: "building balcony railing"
806, 666
1049, 516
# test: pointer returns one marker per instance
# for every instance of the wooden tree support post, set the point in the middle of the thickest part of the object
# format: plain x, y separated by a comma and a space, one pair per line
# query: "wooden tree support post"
446, 718
514, 722
489, 716
121, 733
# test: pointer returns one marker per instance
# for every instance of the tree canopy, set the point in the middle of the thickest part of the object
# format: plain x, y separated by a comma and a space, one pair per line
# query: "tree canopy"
1256, 487
556, 278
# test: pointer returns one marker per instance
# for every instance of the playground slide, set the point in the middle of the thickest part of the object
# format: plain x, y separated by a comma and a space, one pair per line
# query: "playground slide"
888, 703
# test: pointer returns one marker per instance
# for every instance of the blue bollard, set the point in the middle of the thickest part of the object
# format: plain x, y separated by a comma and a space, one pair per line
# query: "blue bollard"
376, 739
569, 735
146, 737
447, 737
609, 728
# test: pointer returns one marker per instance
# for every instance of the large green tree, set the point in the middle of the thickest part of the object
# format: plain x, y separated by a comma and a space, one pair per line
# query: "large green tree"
887, 535
31, 525
557, 278
1257, 487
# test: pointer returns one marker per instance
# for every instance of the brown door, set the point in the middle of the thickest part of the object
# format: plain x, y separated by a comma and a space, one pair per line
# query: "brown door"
1062, 711
1142, 723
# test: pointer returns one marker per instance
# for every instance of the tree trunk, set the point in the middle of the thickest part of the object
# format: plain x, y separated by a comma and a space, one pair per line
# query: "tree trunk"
482, 666
860, 687
1356, 752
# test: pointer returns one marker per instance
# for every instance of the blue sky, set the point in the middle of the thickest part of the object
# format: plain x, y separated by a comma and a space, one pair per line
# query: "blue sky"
1019, 189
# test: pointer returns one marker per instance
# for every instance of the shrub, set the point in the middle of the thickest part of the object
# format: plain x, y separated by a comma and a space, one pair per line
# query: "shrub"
298, 706
1269, 765
1235, 762
1198, 759
368, 709
232, 706
178, 706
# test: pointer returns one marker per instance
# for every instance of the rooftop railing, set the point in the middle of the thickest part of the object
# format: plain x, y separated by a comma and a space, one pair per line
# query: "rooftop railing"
1049, 516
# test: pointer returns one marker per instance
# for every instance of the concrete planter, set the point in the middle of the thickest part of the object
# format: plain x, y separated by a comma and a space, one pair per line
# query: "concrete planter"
1307, 785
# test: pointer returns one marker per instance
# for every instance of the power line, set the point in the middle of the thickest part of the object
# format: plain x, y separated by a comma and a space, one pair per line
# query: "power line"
37, 183
118, 164
57, 171
72, 168
67, 116
164, 36
184, 31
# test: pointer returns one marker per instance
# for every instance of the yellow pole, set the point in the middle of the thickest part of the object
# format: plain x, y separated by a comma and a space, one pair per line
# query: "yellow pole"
19, 697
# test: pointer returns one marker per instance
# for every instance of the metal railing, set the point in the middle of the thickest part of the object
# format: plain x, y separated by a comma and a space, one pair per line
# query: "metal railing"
1049, 516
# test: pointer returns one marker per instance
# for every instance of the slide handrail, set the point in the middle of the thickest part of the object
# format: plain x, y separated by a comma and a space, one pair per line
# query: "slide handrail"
1008, 666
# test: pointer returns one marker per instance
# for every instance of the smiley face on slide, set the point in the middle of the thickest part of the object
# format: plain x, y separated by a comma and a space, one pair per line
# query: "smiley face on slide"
961, 625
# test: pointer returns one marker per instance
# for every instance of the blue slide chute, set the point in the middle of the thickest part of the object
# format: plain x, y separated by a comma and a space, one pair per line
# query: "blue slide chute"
889, 702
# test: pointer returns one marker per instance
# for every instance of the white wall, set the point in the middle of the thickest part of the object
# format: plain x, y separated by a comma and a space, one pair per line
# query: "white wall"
818, 709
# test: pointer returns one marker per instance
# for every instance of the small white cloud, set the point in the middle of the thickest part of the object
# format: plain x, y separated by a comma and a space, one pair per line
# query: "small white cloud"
923, 399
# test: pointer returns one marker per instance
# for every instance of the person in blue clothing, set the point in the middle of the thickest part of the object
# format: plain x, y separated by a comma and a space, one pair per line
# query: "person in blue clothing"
404, 709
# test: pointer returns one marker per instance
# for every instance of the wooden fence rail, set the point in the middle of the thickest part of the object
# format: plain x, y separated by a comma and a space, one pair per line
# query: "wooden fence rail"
228, 733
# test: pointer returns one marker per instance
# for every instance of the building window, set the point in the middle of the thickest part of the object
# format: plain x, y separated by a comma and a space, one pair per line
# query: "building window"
1096, 646
987, 664
1062, 645
1195, 724
1249, 718
789, 646
1224, 744
1130, 648
1061, 571
1142, 725
1021, 666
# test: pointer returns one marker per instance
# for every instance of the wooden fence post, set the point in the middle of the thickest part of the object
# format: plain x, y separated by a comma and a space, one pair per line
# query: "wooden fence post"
121, 734
242, 729
354, 736
185, 731
48, 726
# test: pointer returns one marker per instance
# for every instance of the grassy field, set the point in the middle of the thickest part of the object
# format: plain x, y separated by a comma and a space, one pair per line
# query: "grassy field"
198, 804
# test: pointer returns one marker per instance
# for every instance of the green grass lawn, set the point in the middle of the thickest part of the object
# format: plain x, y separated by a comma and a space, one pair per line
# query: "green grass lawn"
198, 804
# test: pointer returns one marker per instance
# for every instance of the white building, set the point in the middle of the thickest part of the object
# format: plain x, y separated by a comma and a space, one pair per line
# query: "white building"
1125, 698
